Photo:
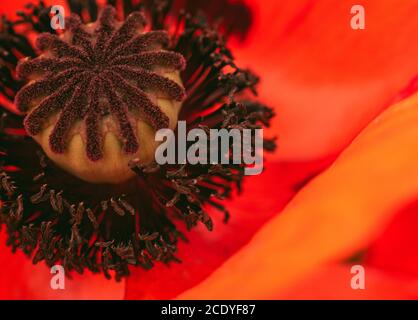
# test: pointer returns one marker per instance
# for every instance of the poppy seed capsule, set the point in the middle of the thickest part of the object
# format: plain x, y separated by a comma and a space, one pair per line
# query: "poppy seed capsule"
98, 93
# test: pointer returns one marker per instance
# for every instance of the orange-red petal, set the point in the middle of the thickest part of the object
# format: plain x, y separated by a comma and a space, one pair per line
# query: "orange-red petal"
331, 282
395, 251
206, 250
326, 80
340, 212
20, 279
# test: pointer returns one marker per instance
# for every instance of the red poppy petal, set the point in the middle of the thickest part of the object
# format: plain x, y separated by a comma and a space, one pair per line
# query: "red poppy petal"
326, 80
263, 196
339, 213
9, 8
395, 251
334, 282
20, 279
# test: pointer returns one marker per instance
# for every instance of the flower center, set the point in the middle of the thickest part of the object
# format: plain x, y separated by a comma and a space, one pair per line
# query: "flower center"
98, 94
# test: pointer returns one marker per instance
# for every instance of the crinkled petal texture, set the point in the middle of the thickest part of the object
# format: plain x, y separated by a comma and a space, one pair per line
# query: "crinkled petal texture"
339, 213
326, 80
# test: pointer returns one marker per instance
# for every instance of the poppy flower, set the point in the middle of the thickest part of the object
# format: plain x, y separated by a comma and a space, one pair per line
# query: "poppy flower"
80, 184
343, 170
